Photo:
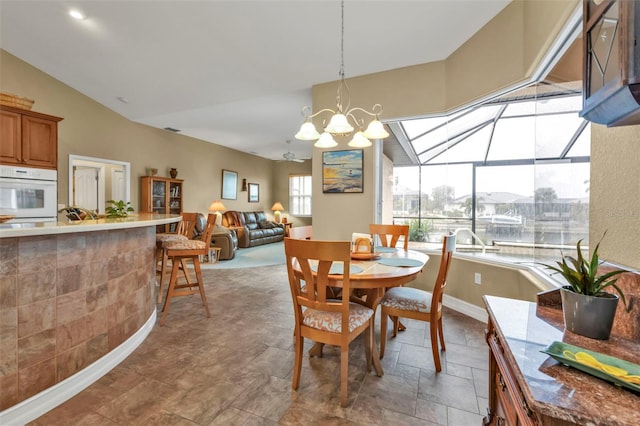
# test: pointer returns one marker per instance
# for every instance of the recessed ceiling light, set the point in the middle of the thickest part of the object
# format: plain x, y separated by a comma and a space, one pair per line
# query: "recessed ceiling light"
77, 14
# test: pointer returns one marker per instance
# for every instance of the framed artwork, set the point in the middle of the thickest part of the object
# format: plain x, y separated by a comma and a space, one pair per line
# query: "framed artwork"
254, 192
342, 171
229, 185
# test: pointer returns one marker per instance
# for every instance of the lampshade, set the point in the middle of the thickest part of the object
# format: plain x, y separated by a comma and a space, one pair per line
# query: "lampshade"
217, 206
325, 141
375, 130
307, 132
338, 125
359, 141
277, 206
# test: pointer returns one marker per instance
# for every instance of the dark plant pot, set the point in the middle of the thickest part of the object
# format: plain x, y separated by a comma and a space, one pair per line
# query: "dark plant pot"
590, 316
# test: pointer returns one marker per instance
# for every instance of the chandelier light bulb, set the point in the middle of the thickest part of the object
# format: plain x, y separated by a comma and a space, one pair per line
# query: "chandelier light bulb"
375, 130
359, 141
325, 141
307, 132
338, 125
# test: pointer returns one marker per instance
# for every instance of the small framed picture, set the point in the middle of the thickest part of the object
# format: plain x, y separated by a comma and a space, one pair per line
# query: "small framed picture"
229, 185
254, 192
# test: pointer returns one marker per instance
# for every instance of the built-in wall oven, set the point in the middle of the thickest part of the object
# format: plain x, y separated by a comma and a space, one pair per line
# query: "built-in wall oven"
29, 194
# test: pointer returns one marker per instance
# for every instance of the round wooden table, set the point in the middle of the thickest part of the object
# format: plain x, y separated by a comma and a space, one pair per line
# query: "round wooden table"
374, 279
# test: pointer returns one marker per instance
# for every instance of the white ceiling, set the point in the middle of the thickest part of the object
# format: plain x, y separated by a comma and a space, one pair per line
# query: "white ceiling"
235, 73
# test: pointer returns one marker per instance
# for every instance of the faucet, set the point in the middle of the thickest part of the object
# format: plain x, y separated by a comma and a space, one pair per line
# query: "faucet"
75, 213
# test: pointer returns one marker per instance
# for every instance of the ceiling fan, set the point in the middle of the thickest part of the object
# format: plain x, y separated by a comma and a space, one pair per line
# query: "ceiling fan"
290, 156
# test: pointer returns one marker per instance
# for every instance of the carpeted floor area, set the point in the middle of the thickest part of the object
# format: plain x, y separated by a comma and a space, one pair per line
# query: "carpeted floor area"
252, 257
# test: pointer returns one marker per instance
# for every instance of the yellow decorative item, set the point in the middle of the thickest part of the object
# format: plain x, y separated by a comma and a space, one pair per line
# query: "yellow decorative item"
618, 371
586, 359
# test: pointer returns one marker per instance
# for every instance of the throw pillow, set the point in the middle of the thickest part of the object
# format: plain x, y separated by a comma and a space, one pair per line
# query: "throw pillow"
265, 224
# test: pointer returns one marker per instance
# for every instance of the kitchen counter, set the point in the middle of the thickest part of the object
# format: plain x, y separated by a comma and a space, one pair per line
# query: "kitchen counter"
550, 392
76, 298
9, 229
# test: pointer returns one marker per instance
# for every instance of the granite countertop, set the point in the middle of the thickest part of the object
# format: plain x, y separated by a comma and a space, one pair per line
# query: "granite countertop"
551, 388
52, 228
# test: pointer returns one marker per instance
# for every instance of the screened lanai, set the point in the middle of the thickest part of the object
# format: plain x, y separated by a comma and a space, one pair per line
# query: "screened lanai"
514, 171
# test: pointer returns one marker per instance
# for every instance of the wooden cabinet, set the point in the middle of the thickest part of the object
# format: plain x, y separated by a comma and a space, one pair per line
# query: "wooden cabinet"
507, 405
28, 138
611, 79
163, 196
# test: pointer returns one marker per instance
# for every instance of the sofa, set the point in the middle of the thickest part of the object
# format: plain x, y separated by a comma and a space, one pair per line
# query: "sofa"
253, 228
223, 238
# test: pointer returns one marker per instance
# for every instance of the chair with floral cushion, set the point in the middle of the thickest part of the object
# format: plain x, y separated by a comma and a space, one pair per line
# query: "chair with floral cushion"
318, 316
180, 251
184, 231
413, 303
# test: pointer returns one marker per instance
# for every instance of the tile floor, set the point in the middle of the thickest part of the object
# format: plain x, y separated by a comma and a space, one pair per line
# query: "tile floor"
235, 369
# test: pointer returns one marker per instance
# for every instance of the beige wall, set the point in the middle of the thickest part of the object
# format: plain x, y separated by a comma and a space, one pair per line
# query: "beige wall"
89, 129
503, 53
615, 193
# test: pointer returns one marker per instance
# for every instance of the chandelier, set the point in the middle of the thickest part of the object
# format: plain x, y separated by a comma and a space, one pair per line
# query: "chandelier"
339, 124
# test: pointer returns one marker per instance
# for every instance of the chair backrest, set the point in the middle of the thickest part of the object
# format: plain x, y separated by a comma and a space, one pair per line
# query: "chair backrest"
187, 225
301, 232
448, 247
308, 265
389, 235
209, 228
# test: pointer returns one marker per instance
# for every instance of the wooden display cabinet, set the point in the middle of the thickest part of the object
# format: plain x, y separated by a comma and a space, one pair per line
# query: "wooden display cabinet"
162, 196
28, 138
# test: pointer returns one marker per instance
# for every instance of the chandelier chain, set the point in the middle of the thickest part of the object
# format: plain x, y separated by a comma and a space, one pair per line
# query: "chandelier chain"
342, 41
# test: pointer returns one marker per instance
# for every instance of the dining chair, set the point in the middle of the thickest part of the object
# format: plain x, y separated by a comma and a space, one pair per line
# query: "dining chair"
389, 235
184, 231
413, 303
179, 251
319, 316
301, 232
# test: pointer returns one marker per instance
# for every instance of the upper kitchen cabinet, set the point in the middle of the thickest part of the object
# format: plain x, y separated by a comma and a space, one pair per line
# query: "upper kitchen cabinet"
611, 62
28, 138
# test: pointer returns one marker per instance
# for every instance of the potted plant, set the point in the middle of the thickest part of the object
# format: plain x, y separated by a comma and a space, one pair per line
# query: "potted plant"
588, 310
119, 208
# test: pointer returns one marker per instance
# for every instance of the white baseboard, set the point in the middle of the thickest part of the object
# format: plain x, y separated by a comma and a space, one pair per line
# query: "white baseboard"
466, 308
34, 407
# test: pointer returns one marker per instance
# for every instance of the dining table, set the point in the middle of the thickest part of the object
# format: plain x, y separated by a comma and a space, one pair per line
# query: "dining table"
371, 274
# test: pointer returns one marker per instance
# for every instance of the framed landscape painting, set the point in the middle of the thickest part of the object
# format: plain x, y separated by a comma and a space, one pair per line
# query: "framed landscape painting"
342, 171
229, 185
254, 192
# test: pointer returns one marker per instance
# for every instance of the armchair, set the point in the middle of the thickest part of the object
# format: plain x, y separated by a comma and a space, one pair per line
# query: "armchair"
222, 237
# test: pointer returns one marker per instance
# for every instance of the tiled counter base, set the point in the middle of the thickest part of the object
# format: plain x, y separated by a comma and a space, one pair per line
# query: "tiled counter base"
67, 300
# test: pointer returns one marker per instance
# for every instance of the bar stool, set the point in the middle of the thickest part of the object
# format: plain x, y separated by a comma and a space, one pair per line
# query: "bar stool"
179, 251
183, 232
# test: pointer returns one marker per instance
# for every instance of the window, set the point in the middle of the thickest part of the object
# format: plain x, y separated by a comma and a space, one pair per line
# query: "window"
514, 170
300, 195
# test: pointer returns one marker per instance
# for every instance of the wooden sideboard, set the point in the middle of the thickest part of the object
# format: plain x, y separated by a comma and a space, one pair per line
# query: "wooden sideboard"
527, 387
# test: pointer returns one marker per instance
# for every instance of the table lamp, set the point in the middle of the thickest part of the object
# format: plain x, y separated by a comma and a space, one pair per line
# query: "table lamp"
217, 207
277, 208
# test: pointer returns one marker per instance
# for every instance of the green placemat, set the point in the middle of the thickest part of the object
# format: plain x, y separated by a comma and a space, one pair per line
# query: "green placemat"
399, 261
338, 269
381, 249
